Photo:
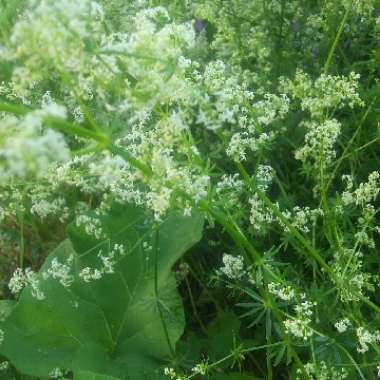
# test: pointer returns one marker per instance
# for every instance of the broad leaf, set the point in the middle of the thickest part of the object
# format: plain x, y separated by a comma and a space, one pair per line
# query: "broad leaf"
87, 375
235, 376
113, 325
223, 337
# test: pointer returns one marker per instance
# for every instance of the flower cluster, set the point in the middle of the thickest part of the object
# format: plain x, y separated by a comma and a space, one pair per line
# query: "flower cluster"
299, 326
327, 92
60, 271
319, 143
233, 267
352, 281
27, 277
322, 371
284, 292
342, 325
28, 150
365, 193
365, 338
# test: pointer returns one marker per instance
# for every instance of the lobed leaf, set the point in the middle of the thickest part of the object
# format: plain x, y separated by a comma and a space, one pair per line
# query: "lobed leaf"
111, 326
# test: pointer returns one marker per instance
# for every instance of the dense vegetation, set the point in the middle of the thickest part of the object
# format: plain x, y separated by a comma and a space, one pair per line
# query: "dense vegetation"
189, 189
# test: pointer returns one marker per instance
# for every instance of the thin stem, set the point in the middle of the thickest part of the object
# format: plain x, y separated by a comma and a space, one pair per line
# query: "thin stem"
145, 169
349, 144
194, 307
280, 216
57, 123
337, 38
218, 308
22, 240
245, 351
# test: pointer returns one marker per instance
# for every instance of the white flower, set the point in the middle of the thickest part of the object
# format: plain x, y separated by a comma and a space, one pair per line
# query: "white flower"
200, 368
60, 271
284, 292
89, 274
326, 92
238, 146
299, 325
29, 150
159, 202
233, 267
91, 225
260, 217
4, 365
320, 371
342, 325
170, 372
56, 373
319, 142
17, 281
365, 338
21, 278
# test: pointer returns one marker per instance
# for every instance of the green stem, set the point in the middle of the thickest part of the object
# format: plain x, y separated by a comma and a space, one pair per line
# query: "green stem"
245, 351
145, 169
194, 307
337, 38
204, 287
56, 123
349, 144
274, 209
22, 240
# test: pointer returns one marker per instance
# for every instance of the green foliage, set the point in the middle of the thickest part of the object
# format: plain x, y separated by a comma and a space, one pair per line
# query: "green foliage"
126, 124
115, 325
86, 375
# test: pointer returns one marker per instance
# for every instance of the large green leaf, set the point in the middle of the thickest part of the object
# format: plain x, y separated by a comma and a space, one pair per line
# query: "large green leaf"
235, 376
223, 336
87, 375
115, 325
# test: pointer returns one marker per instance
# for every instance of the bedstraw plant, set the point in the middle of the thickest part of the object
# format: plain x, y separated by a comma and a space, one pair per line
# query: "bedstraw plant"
189, 189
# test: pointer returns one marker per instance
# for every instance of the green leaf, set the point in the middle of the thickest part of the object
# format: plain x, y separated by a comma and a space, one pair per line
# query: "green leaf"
235, 376
6, 307
86, 375
110, 326
223, 336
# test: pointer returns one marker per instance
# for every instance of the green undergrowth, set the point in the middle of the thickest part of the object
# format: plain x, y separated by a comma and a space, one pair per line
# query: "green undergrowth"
189, 190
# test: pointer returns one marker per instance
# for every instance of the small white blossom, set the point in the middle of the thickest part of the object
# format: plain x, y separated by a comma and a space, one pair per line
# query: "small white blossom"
233, 267
284, 292
89, 274
260, 216
60, 271
365, 338
91, 225
56, 373
342, 325
200, 368
299, 326
320, 140
320, 371
21, 278
4, 365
